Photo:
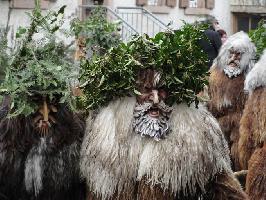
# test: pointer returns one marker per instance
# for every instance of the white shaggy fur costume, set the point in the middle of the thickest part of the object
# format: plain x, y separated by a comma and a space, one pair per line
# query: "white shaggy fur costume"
114, 157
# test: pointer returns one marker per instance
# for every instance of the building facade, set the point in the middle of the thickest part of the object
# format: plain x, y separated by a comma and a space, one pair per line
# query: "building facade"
233, 15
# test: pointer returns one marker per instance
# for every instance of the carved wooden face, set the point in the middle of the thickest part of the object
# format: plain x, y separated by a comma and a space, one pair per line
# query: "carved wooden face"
234, 58
151, 89
44, 117
151, 114
233, 68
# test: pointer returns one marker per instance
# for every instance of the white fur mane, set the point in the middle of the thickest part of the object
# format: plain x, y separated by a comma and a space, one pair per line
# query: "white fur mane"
114, 157
257, 76
242, 43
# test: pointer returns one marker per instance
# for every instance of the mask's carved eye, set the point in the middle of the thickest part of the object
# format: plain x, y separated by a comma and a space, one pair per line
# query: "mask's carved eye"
147, 89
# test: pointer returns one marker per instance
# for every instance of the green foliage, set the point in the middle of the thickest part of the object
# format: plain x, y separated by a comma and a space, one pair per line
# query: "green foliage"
176, 54
4, 57
38, 67
258, 36
100, 34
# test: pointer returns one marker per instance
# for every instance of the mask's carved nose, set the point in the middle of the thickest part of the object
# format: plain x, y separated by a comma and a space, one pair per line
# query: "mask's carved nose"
155, 97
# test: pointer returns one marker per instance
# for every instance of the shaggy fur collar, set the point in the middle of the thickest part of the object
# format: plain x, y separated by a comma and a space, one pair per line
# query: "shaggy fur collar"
257, 76
114, 157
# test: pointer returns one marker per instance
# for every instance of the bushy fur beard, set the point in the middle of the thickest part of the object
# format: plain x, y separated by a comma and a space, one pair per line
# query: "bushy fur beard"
253, 121
145, 125
226, 89
51, 162
114, 157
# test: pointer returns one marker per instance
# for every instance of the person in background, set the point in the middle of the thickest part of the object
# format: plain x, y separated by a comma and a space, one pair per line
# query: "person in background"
223, 35
213, 43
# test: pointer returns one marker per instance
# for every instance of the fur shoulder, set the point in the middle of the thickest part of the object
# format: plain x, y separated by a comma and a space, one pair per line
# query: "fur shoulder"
257, 76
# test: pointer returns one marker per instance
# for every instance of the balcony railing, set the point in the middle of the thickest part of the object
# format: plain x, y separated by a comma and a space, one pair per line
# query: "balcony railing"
142, 20
126, 30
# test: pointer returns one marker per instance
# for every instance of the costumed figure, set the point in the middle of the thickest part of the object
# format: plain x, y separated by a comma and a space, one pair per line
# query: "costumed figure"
152, 145
40, 137
252, 146
226, 87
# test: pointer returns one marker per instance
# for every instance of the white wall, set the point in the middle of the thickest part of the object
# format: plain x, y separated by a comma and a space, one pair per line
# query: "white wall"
222, 12
176, 15
18, 17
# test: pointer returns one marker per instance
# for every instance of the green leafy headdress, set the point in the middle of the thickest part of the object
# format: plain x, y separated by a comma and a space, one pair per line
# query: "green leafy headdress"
38, 68
177, 55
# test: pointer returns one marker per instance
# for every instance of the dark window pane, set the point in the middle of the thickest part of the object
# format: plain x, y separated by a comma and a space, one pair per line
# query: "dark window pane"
254, 21
243, 23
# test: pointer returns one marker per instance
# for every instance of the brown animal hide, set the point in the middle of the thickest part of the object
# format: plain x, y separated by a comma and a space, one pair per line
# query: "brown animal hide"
256, 178
127, 194
146, 192
226, 187
223, 187
227, 104
252, 126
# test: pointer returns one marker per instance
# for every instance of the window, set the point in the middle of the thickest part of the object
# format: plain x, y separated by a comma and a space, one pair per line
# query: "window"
154, 2
168, 3
193, 3
247, 22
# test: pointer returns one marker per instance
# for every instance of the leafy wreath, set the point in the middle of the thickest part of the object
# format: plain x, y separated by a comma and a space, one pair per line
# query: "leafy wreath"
176, 54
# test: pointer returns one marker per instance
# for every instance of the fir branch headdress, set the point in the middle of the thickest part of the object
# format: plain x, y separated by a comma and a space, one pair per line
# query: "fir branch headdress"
177, 55
38, 67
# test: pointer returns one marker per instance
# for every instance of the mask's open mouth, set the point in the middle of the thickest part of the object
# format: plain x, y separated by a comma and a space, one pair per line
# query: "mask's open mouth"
233, 64
154, 112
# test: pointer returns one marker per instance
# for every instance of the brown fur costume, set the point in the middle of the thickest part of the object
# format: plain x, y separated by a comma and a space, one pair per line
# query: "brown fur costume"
252, 125
222, 187
253, 131
227, 104
256, 178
